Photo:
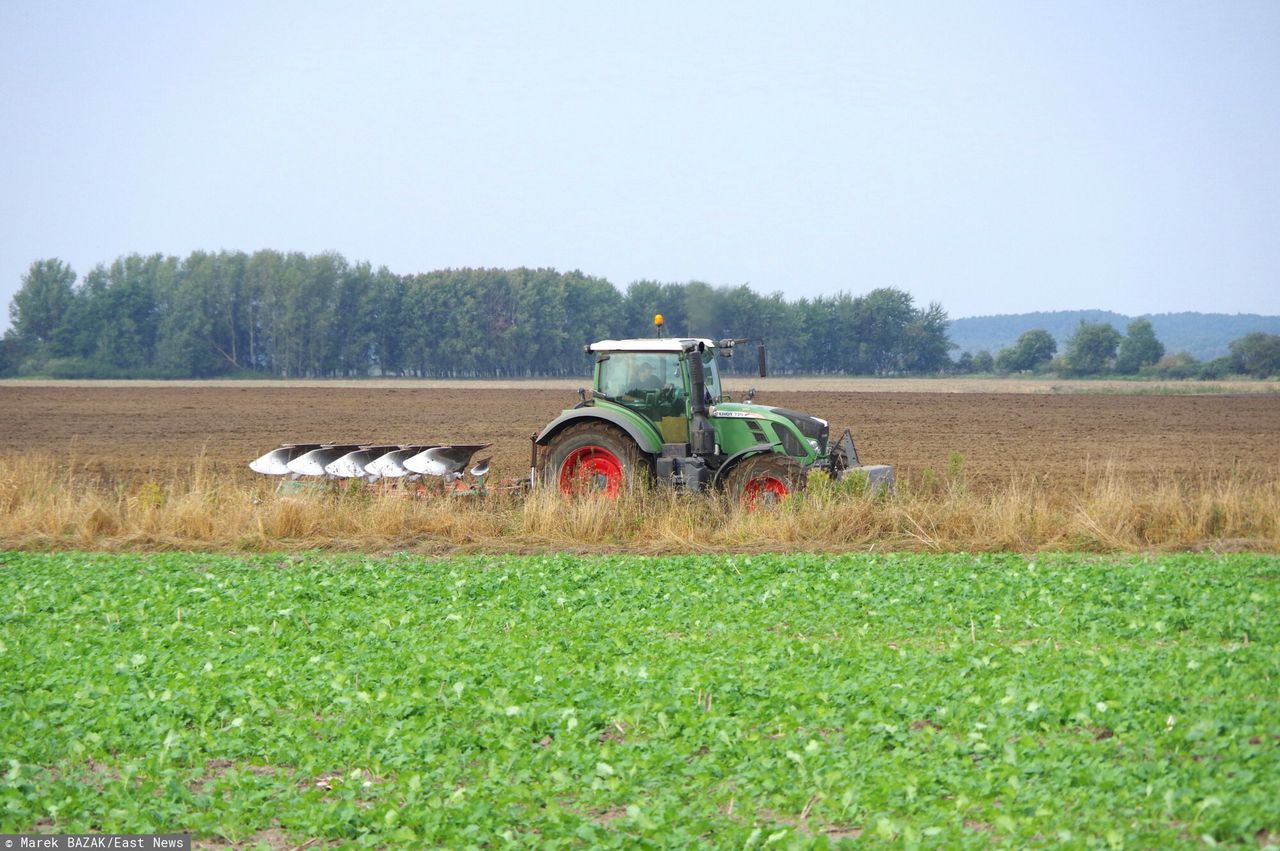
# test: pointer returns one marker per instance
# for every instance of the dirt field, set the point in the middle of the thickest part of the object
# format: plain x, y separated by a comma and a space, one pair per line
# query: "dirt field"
130, 433
1035, 385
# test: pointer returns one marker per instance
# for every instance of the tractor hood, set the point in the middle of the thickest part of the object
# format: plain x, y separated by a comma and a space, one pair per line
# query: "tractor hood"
810, 427
839, 457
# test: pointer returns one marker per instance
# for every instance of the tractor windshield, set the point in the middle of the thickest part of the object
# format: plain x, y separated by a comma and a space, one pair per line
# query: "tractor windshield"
633, 375
651, 384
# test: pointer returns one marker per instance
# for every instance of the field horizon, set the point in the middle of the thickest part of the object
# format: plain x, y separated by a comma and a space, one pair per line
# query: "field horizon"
960, 384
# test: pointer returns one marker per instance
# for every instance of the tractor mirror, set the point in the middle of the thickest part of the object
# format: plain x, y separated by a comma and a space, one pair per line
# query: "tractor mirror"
760, 359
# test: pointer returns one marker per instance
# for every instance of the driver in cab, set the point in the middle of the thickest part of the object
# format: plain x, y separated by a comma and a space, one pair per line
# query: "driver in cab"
646, 380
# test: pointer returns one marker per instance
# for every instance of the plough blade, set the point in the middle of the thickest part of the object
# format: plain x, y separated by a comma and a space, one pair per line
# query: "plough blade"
445, 461
391, 465
353, 464
276, 462
313, 462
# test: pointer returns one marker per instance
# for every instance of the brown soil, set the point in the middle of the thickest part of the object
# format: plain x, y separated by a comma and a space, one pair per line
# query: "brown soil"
134, 433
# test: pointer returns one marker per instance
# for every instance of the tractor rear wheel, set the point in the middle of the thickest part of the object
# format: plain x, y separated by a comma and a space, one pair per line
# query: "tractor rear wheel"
764, 479
593, 458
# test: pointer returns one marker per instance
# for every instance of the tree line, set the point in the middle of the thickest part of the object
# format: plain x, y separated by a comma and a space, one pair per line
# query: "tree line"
1097, 348
1204, 336
294, 315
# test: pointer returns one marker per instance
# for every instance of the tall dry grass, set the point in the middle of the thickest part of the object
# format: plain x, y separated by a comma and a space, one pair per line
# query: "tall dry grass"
45, 504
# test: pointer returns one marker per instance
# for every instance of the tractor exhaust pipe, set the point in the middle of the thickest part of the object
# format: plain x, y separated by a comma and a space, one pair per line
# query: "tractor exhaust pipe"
702, 436
533, 457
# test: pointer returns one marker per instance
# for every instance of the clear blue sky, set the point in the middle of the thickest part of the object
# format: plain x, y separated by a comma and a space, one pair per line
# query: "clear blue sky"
995, 157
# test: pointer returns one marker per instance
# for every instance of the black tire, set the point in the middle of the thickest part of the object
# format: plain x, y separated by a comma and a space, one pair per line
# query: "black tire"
764, 479
577, 460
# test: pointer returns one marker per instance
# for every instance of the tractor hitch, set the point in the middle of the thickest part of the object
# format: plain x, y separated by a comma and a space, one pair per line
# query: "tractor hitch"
842, 462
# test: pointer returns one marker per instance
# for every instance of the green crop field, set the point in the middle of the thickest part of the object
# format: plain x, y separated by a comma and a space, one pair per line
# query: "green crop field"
560, 701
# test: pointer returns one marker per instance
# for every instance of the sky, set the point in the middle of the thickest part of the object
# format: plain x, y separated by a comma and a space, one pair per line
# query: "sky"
996, 157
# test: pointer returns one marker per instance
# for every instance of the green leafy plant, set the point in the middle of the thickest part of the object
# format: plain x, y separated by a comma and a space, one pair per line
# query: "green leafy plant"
740, 700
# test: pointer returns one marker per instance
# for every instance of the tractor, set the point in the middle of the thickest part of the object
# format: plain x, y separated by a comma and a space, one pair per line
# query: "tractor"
656, 410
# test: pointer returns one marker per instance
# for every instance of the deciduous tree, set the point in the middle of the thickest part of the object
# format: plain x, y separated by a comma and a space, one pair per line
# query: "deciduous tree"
41, 307
1258, 354
1139, 348
1034, 349
1091, 350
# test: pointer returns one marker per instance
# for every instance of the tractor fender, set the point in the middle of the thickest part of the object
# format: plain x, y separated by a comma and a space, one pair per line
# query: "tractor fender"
646, 439
740, 455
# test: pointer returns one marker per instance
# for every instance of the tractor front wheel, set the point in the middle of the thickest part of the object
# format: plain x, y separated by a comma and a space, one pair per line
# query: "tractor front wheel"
592, 458
764, 480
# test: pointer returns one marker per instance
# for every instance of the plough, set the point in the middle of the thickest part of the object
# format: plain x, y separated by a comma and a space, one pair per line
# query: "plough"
656, 412
378, 463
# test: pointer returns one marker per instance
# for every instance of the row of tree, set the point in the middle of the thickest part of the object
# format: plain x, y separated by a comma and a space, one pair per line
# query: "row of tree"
297, 315
1097, 348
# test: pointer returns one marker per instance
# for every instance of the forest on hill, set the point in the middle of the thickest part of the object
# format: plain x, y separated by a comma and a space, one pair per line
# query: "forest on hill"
1203, 336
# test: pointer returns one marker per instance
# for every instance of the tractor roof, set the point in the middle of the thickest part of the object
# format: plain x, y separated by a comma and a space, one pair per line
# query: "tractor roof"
655, 344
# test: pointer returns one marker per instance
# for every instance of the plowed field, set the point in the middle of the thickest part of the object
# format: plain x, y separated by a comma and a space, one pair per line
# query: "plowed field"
130, 433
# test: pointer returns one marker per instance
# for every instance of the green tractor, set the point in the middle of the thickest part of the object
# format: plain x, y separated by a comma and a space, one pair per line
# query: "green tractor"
657, 411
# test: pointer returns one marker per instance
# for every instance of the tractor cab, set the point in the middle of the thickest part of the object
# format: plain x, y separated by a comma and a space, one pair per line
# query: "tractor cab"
653, 379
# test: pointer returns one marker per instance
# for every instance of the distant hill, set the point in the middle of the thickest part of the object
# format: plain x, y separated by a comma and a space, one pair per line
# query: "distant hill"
1204, 335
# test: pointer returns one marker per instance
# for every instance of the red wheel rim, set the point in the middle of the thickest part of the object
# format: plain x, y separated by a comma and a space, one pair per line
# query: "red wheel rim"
766, 489
591, 468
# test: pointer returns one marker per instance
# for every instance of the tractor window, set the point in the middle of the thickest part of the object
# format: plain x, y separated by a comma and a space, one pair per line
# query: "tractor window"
649, 382
711, 374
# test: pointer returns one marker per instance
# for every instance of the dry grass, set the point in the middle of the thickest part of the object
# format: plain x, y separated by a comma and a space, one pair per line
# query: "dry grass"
45, 505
